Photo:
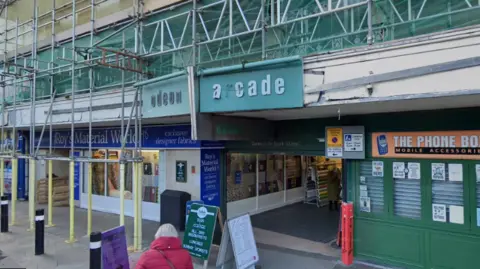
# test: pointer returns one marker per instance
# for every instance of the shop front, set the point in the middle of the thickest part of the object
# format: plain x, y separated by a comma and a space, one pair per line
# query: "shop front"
171, 160
416, 194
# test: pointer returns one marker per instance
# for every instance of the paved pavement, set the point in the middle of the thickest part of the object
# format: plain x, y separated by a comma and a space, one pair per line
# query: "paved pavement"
17, 246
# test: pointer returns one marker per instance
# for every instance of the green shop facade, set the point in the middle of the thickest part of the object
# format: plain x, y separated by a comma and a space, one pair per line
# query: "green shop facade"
416, 194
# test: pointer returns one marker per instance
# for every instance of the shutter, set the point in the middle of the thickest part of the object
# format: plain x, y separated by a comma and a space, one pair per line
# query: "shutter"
447, 193
407, 195
371, 188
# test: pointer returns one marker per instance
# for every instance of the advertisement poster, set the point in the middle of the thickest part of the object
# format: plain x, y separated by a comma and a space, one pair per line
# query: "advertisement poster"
439, 212
114, 249
413, 170
210, 176
399, 170
477, 172
455, 172
377, 168
427, 145
365, 204
7, 180
438, 171
76, 177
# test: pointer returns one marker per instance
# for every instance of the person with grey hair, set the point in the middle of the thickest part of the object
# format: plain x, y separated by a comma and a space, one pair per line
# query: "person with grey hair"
166, 251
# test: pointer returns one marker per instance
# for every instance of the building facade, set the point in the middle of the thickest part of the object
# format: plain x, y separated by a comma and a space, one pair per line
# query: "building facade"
234, 99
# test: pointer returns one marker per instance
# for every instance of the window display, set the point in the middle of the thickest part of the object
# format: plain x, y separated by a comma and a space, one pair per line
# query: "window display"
270, 174
150, 176
241, 176
294, 171
106, 176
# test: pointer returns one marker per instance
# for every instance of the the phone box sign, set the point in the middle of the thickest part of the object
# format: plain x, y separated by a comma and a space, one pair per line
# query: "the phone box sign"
281, 87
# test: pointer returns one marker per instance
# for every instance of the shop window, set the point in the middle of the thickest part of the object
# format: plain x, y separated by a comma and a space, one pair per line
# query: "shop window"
407, 195
371, 199
241, 176
270, 174
150, 180
447, 192
106, 176
98, 173
293, 168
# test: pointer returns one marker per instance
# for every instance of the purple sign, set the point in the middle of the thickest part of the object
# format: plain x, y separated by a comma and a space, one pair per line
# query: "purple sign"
114, 249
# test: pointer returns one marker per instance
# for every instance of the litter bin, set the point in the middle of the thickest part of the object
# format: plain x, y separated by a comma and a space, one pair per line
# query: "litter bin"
173, 208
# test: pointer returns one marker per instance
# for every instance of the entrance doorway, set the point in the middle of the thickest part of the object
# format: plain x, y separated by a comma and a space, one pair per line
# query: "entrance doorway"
286, 194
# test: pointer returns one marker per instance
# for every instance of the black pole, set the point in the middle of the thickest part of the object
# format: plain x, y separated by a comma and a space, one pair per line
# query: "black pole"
39, 232
4, 214
96, 250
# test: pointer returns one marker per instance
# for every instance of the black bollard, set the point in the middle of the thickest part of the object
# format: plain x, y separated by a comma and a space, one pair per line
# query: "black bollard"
4, 214
96, 250
39, 232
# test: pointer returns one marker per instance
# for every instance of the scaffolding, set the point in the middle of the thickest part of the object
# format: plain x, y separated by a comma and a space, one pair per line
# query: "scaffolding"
187, 35
34, 72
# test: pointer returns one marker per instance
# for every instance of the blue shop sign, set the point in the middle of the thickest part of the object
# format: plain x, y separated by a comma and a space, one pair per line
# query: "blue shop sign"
176, 136
210, 176
166, 98
271, 87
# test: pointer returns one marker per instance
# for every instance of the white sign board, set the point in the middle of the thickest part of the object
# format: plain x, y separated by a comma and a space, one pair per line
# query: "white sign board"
238, 243
353, 142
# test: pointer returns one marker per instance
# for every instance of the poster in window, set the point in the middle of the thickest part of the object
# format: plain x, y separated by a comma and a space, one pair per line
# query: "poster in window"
455, 172
438, 171
377, 168
413, 170
399, 170
477, 172
365, 204
456, 214
439, 212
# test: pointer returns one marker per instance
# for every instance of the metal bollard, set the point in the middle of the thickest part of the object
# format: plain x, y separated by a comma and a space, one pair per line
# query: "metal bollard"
39, 232
4, 214
96, 250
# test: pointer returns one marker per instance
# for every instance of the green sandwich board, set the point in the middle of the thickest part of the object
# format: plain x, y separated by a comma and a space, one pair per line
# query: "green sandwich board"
199, 230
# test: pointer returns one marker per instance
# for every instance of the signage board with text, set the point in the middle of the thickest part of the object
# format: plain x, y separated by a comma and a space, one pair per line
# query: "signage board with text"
166, 98
346, 142
269, 87
114, 249
427, 145
199, 230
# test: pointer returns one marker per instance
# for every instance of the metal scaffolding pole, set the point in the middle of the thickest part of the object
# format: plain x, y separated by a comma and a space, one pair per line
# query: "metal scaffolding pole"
72, 134
14, 132
50, 162
2, 160
90, 116
32, 161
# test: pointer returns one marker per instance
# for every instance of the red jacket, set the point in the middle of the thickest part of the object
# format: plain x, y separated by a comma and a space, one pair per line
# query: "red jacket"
172, 247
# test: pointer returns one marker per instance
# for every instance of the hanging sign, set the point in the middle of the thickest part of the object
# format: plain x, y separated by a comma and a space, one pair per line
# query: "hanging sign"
199, 230
346, 142
427, 145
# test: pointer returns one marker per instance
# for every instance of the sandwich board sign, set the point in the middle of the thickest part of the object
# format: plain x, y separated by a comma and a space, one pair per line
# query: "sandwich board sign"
238, 248
200, 229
